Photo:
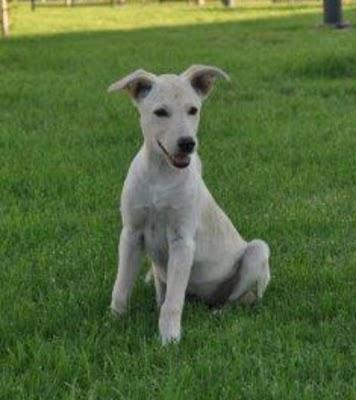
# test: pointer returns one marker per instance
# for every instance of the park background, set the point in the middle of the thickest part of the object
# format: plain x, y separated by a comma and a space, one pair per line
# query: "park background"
278, 149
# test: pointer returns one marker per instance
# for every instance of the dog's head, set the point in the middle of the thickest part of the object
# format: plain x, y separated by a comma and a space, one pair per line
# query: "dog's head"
169, 107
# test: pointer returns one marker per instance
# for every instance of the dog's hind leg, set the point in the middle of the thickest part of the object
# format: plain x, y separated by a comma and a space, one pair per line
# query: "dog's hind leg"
254, 271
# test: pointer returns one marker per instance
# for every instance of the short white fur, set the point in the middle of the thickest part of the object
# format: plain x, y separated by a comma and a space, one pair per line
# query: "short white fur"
169, 213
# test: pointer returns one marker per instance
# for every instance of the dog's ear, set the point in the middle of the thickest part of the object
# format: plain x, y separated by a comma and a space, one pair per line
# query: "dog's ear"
202, 78
137, 85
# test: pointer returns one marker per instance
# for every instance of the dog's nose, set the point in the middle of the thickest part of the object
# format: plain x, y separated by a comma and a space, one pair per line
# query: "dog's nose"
186, 144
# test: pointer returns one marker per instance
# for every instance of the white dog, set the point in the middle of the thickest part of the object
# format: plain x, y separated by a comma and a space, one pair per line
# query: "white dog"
168, 211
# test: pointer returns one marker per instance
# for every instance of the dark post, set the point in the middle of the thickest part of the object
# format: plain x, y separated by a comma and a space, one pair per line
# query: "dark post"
33, 5
333, 13
229, 3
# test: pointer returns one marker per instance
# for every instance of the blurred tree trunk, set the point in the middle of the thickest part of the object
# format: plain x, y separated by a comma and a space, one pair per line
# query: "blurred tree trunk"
333, 13
5, 21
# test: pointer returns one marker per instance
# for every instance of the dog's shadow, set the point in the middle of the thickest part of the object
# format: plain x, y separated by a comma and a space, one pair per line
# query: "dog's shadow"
142, 314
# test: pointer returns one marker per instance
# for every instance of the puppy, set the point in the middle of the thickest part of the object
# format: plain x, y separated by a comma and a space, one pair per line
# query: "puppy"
168, 212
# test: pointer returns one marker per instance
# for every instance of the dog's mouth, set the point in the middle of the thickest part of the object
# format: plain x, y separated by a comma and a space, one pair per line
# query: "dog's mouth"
178, 160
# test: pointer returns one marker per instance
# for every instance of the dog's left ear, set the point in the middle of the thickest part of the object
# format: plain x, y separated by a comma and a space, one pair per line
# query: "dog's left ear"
203, 77
137, 85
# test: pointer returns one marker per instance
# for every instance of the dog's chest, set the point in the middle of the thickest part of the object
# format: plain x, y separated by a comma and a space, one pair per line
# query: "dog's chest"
158, 210
155, 235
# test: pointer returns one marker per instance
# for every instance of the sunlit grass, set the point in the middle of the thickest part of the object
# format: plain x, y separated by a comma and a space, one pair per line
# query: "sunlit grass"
47, 20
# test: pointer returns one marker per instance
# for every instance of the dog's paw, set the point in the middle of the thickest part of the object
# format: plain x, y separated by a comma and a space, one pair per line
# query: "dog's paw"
169, 337
117, 308
169, 327
248, 298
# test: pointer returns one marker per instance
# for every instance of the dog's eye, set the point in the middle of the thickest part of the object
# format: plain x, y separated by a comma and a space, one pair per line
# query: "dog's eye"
192, 111
161, 112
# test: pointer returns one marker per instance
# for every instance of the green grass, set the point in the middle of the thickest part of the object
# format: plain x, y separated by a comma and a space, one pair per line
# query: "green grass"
278, 146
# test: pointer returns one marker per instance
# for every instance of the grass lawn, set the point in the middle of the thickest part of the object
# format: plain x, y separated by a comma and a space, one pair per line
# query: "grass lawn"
278, 146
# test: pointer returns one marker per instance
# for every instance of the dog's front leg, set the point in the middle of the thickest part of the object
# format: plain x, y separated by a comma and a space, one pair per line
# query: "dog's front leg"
181, 252
129, 263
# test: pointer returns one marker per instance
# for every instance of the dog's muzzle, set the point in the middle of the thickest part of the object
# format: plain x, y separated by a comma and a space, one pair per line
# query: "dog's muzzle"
180, 159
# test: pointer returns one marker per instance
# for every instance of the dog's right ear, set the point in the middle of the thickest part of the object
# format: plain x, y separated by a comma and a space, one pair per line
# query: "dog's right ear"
137, 85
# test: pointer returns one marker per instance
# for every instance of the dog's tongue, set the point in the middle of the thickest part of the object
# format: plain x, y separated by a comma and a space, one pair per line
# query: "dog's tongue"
181, 160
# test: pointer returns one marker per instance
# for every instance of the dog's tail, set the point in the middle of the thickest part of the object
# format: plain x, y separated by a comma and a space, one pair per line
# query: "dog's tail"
149, 276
